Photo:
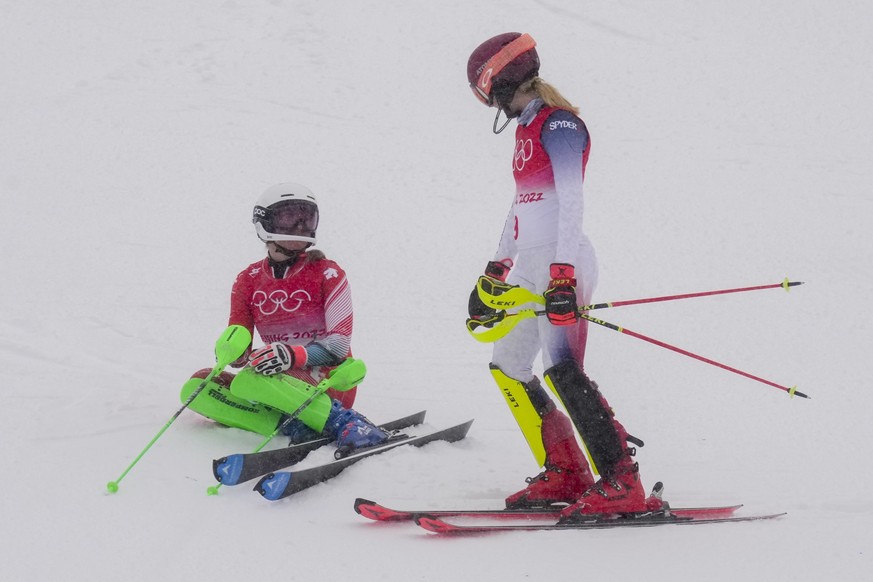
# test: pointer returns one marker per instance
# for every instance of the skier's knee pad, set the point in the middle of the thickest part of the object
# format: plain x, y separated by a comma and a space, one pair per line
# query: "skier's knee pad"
528, 402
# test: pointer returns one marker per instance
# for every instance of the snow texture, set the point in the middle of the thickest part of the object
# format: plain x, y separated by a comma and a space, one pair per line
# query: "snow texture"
731, 147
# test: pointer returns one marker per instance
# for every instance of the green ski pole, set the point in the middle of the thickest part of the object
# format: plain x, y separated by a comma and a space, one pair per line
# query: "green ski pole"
344, 377
230, 346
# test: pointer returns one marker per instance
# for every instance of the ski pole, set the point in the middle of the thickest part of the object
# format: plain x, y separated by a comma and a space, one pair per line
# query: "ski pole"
792, 391
344, 377
231, 345
501, 296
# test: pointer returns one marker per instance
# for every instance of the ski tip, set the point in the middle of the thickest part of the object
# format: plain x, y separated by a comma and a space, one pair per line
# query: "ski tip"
273, 486
227, 470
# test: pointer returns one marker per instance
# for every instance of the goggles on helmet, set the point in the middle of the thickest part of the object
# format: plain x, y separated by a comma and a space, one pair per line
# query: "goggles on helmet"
482, 89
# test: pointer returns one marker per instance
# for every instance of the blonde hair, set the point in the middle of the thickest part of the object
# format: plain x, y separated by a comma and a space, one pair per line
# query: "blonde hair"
550, 96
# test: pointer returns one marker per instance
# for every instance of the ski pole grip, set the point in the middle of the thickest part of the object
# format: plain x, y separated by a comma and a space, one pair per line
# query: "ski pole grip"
231, 345
345, 376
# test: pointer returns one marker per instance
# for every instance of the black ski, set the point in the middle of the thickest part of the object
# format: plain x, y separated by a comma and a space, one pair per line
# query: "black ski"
649, 519
281, 484
239, 468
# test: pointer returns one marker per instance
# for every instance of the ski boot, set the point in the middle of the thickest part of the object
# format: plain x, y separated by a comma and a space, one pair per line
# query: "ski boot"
297, 431
618, 491
566, 475
352, 430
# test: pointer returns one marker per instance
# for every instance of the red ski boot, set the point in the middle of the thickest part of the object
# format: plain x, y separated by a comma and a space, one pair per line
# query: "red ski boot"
566, 475
621, 491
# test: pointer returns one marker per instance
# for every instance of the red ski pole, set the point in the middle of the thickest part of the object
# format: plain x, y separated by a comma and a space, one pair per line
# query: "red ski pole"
792, 391
503, 296
784, 284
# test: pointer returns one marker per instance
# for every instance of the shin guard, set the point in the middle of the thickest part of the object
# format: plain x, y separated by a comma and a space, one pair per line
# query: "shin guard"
590, 414
283, 393
217, 403
528, 403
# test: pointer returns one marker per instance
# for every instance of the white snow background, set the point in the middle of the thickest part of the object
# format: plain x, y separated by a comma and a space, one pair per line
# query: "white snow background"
731, 147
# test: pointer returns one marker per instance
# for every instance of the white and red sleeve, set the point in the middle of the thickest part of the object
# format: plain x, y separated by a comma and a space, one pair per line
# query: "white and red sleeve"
338, 316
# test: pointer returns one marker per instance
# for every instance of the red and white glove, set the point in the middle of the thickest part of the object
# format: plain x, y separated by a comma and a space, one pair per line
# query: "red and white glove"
242, 360
277, 357
561, 307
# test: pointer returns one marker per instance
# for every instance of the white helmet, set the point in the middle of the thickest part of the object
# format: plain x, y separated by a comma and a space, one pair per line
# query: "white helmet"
286, 211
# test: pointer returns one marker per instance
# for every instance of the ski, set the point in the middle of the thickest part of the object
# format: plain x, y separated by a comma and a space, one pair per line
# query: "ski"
281, 484
239, 468
649, 519
379, 512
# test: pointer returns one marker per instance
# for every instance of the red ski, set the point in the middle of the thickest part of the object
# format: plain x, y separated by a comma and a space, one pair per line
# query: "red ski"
377, 512
439, 526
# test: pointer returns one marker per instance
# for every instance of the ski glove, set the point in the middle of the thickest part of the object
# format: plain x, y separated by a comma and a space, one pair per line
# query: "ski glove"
561, 307
498, 269
277, 357
242, 360
477, 310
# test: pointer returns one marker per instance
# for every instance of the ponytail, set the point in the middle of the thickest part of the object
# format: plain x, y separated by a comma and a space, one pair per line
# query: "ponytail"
550, 96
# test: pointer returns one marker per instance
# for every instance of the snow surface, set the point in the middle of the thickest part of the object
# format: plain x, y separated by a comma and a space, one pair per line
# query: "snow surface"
731, 147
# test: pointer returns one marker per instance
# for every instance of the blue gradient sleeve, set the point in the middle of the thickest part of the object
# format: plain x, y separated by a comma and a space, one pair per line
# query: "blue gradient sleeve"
565, 139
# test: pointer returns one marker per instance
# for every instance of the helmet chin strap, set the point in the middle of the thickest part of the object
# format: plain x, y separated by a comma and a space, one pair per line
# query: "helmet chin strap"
497, 117
283, 251
280, 267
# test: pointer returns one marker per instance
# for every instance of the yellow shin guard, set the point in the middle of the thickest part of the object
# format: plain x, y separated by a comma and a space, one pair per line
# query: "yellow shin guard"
527, 417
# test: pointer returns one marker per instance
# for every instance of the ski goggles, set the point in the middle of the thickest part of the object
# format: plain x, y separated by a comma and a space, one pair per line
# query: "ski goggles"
291, 218
483, 86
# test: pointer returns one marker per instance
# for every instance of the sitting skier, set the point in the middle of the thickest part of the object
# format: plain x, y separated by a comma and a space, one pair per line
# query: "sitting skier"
300, 303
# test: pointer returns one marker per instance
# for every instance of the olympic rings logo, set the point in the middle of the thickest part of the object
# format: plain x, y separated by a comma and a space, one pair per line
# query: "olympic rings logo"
279, 299
523, 152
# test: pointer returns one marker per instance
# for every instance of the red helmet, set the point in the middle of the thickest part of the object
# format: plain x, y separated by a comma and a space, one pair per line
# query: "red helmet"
500, 64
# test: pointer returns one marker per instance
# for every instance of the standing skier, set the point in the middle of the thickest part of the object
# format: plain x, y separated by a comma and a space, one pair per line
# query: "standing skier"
301, 305
543, 249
